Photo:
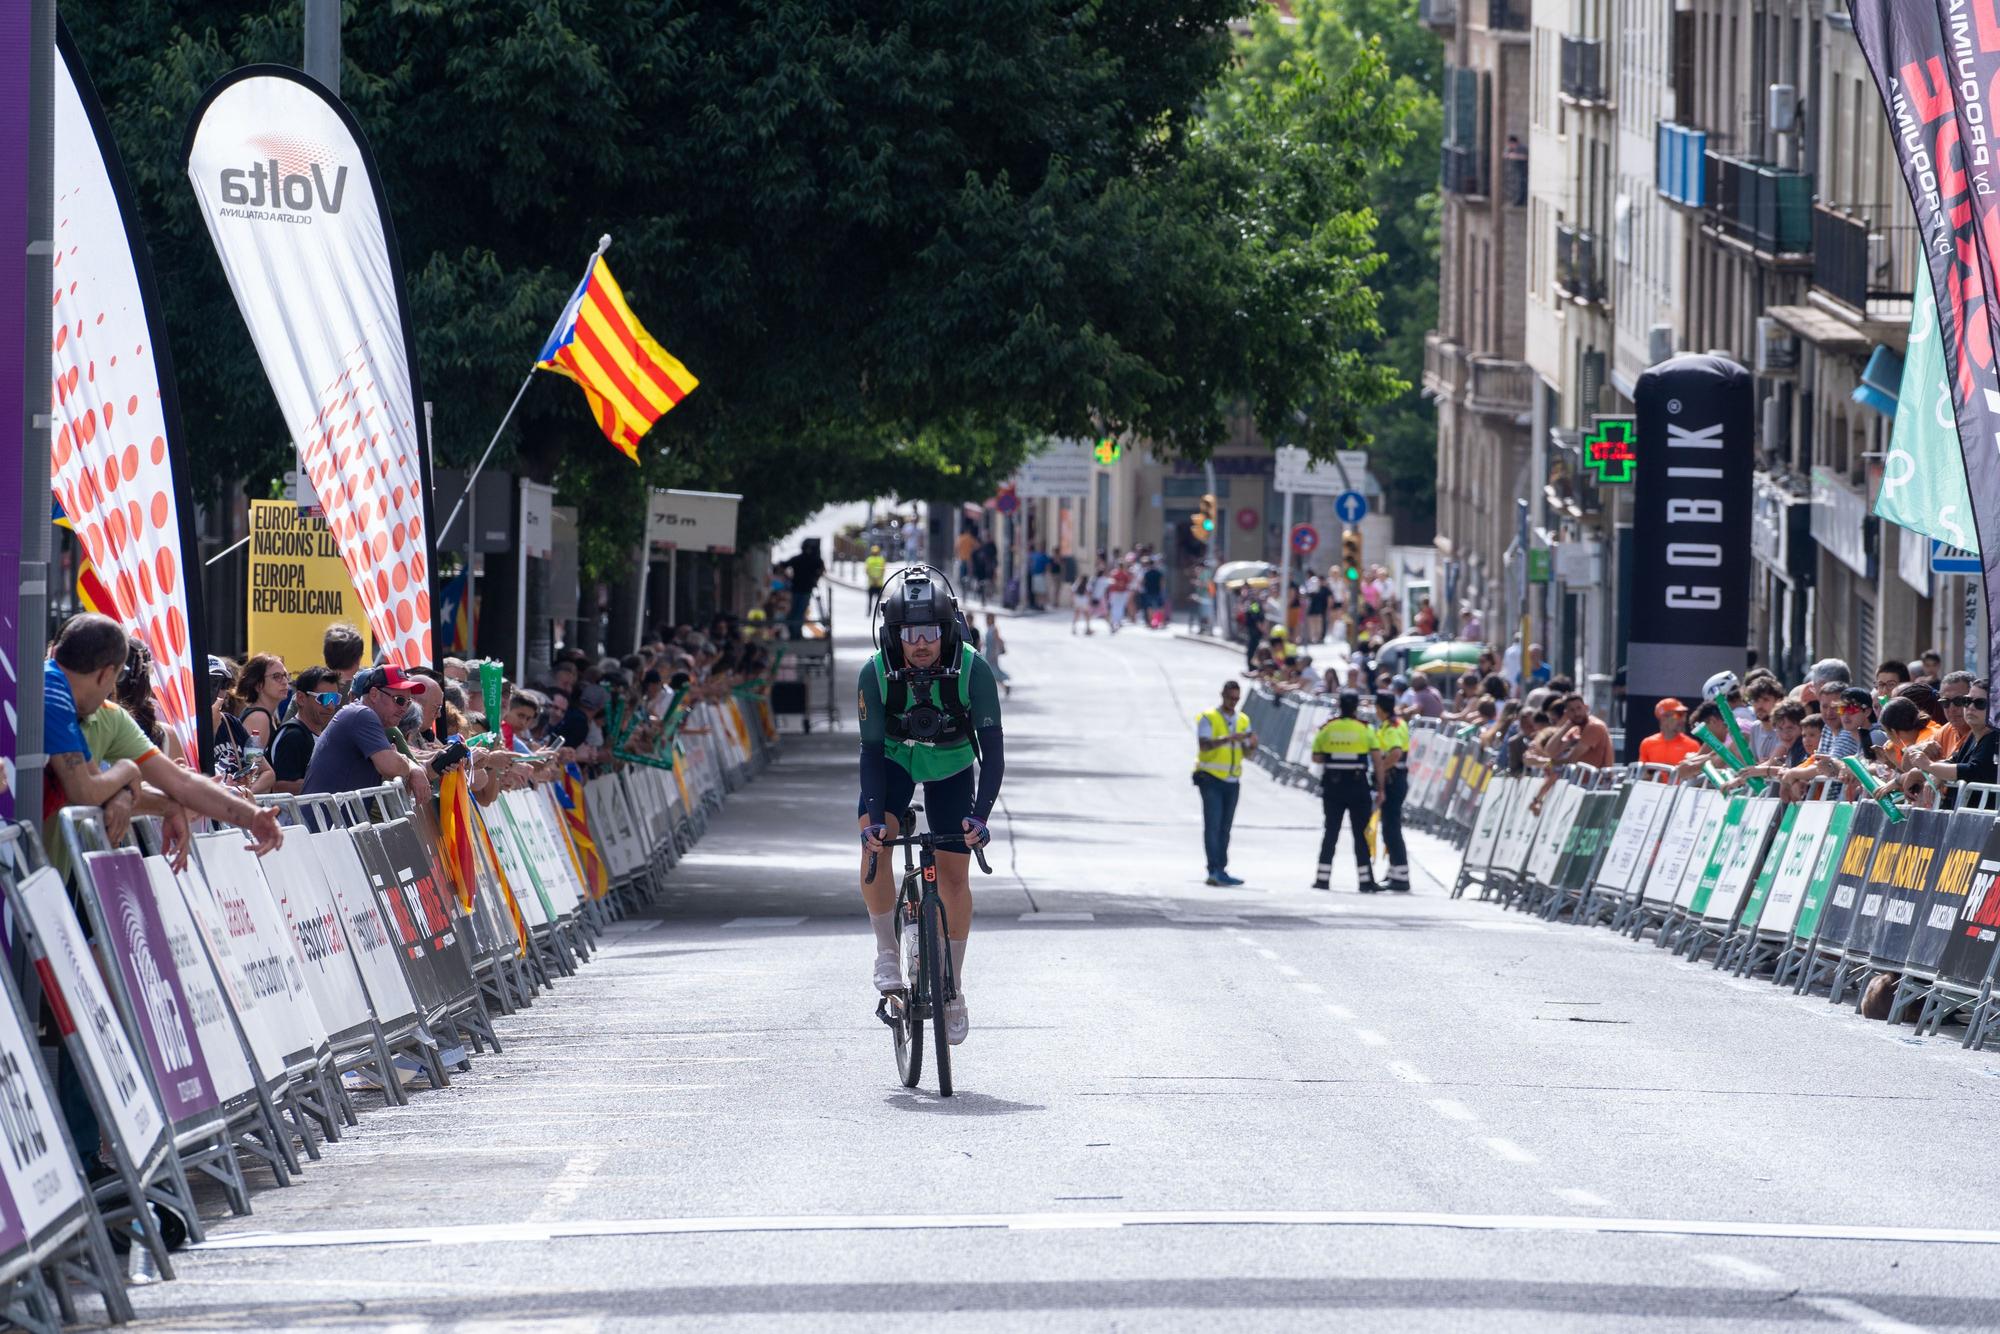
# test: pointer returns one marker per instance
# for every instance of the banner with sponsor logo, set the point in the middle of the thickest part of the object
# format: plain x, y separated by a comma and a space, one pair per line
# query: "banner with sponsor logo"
1936, 94
117, 457
136, 939
1691, 503
295, 208
1923, 473
15, 41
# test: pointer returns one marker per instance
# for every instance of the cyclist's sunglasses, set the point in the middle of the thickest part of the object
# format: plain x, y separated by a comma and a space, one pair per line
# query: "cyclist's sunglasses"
327, 698
922, 634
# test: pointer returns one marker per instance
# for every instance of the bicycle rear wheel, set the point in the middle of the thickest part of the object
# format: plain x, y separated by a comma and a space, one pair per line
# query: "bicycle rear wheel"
934, 954
909, 1032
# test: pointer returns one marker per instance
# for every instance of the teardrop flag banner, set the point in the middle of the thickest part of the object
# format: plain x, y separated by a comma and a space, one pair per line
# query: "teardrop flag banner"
294, 205
118, 460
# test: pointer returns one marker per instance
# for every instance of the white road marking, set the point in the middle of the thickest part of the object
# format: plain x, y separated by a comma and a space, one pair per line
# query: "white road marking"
1741, 1268
1310, 988
1861, 1317
1266, 954
1340, 1012
1508, 1151
1286, 970
1408, 1073
1582, 1199
1058, 917
485, 1233
736, 922
1451, 1109
1203, 918
568, 1186
1370, 1038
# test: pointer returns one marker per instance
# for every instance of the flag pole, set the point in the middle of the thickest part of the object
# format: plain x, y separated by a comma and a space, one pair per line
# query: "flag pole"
603, 244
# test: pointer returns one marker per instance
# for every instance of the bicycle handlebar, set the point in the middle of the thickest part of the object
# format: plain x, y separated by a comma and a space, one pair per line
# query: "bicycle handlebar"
928, 840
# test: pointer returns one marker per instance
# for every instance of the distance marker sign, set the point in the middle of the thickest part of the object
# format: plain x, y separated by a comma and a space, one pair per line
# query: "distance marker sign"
299, 585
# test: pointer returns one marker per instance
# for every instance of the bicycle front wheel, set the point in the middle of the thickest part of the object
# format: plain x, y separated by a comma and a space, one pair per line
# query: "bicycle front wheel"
934, 947
909, 1031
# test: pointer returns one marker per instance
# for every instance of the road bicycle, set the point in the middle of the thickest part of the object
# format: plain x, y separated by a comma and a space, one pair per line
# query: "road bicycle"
926, 953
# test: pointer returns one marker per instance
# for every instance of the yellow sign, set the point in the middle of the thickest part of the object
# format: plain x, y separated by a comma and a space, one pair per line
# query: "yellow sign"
298, 586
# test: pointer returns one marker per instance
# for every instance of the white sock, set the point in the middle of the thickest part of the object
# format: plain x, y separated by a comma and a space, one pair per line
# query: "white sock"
885, 931
958, 963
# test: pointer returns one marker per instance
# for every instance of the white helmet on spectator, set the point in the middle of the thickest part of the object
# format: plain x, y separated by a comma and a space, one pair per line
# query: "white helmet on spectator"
1719, 685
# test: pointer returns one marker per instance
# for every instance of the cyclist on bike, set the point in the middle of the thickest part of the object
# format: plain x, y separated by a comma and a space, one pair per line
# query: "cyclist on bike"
930, 714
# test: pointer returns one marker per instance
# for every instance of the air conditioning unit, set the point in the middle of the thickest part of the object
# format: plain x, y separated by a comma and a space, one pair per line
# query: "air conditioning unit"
1777, 347
1659, 344
1782, 108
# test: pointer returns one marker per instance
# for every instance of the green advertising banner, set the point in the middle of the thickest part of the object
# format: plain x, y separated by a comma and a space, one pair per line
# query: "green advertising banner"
1754, 905
1723, 850
1831, 853
1923, 473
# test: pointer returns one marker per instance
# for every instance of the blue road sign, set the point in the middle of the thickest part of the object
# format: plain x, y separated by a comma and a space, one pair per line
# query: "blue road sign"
1351, 506
1950, 560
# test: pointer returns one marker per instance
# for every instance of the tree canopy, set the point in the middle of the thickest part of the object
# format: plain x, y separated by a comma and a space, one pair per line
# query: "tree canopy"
897, 242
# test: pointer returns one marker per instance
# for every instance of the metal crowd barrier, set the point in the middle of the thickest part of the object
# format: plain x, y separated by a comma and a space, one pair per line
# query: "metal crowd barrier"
1820, 896
243, 1002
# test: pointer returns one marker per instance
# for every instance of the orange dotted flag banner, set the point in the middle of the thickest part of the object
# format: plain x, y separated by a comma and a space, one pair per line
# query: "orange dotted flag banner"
116, 463
294, 206
298, 585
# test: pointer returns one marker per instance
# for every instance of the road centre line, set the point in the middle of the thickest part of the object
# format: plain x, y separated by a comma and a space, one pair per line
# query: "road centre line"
1451, 1109
1507, 1150
1340, 1012
1408, 1073
478, 1233
1370, 1038
1310, 988
1583, 1199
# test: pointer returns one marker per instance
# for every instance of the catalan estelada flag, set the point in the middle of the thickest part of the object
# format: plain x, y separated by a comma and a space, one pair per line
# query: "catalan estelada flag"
630, 380
90, 589
458, 612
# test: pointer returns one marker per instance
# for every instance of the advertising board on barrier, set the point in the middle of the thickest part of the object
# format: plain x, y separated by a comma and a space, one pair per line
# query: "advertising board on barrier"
221, 1049
1957, 865
412, 946
137, 939
319, 939
1909, 884
1969, 955
262, 950
76, 994
418, 891
41, 1177
1850, 879
1780, 903
1826, 871
374, 950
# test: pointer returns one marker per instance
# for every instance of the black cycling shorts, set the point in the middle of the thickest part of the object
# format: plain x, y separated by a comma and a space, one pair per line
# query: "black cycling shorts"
947, 802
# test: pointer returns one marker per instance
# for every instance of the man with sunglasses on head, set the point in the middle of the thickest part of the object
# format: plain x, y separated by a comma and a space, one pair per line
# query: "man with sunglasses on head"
315, 699
930, 714
355, 750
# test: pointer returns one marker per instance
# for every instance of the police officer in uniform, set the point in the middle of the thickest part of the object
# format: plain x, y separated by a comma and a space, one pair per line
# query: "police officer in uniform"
1392, 785
1342, 749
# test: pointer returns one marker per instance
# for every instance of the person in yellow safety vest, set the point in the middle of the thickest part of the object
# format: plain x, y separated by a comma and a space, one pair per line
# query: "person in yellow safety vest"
1222, 738
876, 568
1341, 749
1392, 785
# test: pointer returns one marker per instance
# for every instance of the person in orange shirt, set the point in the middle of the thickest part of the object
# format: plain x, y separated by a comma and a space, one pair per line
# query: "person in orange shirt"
1671, 744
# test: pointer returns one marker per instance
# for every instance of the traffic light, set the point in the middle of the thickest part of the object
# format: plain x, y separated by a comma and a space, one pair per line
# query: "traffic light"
1108, 450
1201, 524
1350, 554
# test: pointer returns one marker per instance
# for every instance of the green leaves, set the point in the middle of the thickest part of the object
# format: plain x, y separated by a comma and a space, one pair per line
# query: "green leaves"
897, 242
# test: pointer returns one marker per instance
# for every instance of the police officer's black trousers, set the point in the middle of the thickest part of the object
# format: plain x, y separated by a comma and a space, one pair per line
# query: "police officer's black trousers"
1348, 795
1394, 789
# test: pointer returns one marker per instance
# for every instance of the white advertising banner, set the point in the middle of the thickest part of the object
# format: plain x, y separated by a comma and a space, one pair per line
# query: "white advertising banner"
289, 192
116, 447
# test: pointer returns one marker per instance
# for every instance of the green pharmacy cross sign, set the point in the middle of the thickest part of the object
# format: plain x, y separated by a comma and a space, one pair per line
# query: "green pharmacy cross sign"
1609, 453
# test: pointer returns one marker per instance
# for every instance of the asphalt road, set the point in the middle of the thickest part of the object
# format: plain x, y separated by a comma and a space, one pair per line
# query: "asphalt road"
1179, 1107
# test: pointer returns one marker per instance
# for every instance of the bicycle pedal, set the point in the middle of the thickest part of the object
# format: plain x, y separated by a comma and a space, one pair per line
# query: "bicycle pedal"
885, 1013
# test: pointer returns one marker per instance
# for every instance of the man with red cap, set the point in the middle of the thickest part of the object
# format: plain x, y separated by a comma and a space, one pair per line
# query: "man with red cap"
355, 751
1671, 744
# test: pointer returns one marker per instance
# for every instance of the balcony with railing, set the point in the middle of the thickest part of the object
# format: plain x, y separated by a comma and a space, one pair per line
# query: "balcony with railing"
1766, 208
1496, 386
1577, 264
1444, 367
1509, 15
1462, 170
1439, 14
1863, 262
1680, 171
1583, 70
